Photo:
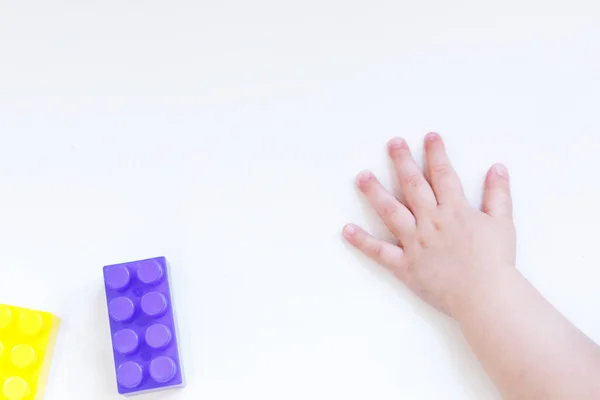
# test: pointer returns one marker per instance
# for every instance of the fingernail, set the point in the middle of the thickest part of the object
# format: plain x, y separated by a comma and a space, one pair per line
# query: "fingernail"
395, 143
363, 177
501, 170
349, 230
431, 136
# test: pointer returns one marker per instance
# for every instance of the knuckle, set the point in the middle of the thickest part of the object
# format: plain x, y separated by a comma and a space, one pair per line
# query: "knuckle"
389, 211
460, 213
442, 169
411, 181
378, 251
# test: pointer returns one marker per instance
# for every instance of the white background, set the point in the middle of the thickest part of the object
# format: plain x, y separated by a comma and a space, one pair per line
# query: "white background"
226, 134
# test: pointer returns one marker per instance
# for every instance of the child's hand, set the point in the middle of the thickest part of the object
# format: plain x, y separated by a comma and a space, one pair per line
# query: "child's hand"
461, 261
448, 252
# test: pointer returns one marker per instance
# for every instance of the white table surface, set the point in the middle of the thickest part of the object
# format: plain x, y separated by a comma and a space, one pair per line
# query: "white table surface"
225, 135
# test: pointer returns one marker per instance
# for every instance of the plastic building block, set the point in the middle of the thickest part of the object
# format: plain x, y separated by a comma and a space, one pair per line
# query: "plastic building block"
142, 324
27, 340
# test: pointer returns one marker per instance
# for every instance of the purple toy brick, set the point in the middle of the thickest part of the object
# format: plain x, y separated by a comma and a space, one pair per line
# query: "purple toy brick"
142, 325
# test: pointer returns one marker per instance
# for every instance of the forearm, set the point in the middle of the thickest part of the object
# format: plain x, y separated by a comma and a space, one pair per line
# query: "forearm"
528, 348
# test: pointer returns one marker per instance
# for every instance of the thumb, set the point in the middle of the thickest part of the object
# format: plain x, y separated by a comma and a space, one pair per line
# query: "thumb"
497, 201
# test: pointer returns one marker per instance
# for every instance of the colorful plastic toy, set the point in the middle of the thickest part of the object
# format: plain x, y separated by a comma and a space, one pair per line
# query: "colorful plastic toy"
27, 339
142, 324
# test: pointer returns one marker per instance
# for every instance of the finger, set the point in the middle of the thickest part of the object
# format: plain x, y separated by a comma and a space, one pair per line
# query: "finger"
394, 214
444, 180
497, 201
384, 253
417, 192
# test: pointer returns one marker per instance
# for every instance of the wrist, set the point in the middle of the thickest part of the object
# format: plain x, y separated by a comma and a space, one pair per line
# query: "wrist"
484, 292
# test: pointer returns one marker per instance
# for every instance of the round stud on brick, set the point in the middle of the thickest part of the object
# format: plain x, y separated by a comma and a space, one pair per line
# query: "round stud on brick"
154, 304
158, 336
23, 356
130, 375
5, 316
15, 388
163, 369
121, 309
31, 323
126, 342
117, 277
150, 272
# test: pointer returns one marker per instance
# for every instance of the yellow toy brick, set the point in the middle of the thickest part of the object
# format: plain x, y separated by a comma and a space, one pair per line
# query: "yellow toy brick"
27, 340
